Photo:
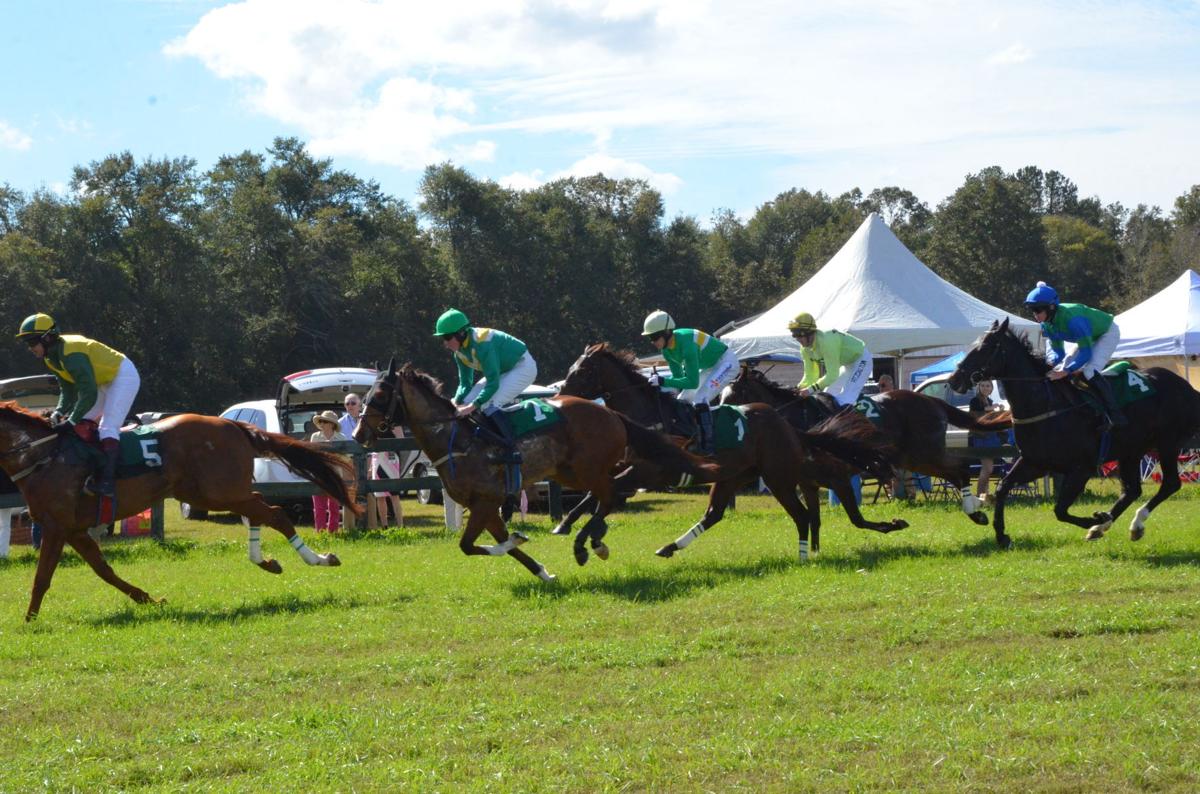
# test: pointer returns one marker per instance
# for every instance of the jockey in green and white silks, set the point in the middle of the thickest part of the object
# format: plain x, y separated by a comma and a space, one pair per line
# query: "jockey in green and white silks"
1094, 334
97, 387
701, 366
503, 362
846, 358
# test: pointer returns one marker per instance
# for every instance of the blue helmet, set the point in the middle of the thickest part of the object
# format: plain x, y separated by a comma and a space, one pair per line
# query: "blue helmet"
1042, 295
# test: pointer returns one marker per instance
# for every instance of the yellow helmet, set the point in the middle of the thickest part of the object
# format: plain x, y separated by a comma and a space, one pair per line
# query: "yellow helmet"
37, 325
803, 322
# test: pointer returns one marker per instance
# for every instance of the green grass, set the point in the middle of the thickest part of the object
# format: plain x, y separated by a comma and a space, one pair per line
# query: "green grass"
920, 660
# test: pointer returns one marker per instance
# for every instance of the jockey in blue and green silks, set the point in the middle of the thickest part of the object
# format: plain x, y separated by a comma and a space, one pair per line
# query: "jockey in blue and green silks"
503, 361
701, 366
1095, 336
845, 357
97, 386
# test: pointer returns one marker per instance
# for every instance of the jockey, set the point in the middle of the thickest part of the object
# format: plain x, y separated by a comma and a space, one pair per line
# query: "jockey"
502, 360
701, 366
96, 384
1094, 335
846, 358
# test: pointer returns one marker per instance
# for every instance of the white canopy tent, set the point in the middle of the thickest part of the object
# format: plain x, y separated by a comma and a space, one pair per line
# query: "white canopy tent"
1165, 325
876, 289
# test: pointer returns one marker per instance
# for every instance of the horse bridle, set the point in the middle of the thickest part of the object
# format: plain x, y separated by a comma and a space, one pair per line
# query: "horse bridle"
385, 424
25, 448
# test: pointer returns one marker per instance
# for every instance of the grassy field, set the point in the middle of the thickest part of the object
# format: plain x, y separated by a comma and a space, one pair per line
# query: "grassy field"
921, 660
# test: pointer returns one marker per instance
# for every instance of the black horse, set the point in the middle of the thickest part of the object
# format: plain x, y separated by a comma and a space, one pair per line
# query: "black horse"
913, 424
786, 459
1058, 430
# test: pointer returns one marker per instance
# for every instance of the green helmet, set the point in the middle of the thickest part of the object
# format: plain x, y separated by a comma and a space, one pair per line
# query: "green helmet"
37, 325
451, 322
803, 322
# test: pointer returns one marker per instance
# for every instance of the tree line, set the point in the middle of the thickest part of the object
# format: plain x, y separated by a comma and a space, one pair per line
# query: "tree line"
219, 283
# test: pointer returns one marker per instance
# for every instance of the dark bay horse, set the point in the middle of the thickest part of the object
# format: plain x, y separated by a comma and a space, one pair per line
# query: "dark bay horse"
785, 459
1058, 431
582, 451
914, 424
204, 461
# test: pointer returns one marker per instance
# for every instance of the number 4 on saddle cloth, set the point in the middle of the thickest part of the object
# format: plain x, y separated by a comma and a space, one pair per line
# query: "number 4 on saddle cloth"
1128, 385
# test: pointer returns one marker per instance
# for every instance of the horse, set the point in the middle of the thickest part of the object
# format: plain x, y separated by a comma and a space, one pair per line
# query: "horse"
1057, 430
202, 460
914, 424
771, 449
582, 451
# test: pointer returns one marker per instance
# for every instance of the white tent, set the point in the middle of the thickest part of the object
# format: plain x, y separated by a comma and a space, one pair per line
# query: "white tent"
1164, 329
1165, 324
877, 290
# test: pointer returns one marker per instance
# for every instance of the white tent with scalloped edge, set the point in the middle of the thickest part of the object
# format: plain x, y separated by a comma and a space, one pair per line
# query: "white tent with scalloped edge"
1164, 329
876, 289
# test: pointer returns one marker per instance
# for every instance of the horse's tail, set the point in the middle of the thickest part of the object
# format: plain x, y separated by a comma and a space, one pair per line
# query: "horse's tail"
332, 472
991, 423
656, 447
850, 436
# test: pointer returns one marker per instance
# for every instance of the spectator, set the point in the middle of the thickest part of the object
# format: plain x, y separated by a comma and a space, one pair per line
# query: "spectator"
349, 420
981, 405
388, 465
327, 515
886, 384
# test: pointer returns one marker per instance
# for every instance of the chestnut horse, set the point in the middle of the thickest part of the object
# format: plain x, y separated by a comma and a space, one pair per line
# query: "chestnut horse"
1058, 431
783, 458
202, 460
915, 425
581, 451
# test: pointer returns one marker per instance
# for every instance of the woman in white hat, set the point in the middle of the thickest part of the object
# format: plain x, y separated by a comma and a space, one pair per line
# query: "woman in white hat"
327, 514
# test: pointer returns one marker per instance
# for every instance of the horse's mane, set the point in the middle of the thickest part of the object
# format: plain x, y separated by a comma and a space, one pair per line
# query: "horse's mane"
11, 409
434, 386
626, 358
1022, 338
778, 388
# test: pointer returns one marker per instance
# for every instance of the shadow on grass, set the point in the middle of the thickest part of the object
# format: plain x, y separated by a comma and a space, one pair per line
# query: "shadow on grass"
268, 606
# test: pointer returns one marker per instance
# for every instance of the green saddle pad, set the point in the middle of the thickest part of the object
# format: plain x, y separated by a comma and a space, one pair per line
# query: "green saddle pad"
532, 415
139, 451
729, 427
870, 409
1128, 384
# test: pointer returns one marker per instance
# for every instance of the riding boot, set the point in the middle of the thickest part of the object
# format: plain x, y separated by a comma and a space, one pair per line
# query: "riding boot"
106, 485
704, 419
504, 433
511, 459
1113, 416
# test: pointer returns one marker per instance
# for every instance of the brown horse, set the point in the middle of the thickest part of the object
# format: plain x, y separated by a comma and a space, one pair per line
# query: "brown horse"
771, 449
582, 451
914, 424
202, 460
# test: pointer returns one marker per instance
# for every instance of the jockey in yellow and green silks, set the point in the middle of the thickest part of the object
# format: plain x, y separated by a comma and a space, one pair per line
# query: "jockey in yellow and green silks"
701, 366
97, 387
845, 358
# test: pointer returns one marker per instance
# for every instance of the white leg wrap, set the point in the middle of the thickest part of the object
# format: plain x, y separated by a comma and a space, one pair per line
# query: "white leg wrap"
545, 575
684, 481
306, 554
804, 551
1138, 524
971, 503
690, 535
255, 546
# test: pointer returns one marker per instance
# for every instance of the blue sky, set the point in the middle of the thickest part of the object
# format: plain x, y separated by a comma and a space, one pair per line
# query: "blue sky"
716, 104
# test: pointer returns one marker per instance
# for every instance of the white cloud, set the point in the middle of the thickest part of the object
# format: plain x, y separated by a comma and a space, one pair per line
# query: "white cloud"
13, 138
611, 167
1017, 53
645, 80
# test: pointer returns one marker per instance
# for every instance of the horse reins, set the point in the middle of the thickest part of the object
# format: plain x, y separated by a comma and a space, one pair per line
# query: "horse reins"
24, 448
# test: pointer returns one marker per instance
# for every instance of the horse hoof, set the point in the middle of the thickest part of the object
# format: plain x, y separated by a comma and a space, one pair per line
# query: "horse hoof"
518, 538
271, 566
601, 551
581, 555
1136, 534
979, 517
561, 529
667, 550
899, 523
1004, 542
331, 560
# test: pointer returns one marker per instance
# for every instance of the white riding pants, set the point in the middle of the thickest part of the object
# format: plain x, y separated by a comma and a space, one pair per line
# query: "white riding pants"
114, 399
512, 383
713, 380
850, 383
1101, 352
